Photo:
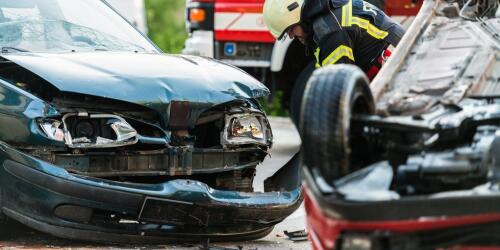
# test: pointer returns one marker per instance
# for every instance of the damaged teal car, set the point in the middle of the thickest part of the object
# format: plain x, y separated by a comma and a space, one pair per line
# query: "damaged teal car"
105, 138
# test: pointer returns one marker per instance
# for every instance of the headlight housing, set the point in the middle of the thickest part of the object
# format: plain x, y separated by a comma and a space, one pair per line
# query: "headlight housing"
83, 130
247, 128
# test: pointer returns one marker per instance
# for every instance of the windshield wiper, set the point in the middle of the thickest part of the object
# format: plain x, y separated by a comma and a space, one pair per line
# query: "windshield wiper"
11, 49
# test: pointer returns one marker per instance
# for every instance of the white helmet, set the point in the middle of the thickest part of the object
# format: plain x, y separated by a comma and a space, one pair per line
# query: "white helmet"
279, 15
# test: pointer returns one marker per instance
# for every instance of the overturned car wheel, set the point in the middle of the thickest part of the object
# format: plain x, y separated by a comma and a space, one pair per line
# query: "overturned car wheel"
333, 95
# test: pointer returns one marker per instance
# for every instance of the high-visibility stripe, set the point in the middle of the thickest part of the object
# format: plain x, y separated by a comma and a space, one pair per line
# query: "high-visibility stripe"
347, 14
344, 16
338, 53
316, 54
370, 28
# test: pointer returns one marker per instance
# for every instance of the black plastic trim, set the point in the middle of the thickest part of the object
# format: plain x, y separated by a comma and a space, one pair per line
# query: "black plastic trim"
99, 236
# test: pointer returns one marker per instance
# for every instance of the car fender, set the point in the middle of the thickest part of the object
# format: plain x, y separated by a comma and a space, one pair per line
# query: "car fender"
18, 113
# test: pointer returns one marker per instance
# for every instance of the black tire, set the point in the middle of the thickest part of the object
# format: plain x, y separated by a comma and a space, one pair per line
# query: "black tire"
298, 92
333, 94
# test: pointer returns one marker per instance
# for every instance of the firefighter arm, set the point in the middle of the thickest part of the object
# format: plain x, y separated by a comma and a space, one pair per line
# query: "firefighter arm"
333, 49
396, 32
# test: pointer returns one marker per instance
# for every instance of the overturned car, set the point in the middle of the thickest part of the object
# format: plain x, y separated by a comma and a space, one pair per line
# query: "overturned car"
105, 138
411, 161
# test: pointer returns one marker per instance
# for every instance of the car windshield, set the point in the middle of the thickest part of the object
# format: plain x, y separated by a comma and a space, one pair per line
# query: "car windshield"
66, 25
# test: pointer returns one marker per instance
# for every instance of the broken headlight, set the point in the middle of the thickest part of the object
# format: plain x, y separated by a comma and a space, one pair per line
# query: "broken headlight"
83, 130
250, 128
53, 129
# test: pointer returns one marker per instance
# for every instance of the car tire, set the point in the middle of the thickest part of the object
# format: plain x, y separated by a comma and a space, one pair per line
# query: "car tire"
333, 94
298, 92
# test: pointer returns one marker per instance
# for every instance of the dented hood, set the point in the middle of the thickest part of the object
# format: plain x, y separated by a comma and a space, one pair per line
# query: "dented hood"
152, 80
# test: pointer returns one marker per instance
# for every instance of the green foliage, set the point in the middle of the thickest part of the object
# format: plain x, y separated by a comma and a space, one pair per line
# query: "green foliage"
166, 24
274, 106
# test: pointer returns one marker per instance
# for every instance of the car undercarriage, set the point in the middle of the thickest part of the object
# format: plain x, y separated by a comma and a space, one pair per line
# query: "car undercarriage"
438, 117
419, 147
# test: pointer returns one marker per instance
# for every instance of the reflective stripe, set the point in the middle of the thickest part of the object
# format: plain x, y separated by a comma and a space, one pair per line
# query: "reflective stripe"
338, 53
316, 54
347, 14
348, 20
370, 28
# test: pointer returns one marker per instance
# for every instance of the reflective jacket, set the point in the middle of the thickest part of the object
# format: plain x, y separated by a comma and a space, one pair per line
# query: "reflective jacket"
349, 31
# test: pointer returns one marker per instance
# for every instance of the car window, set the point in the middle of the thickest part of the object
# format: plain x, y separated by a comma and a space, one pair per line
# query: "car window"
62, 25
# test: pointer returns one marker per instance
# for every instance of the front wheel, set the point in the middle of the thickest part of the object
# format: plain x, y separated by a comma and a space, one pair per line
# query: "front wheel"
333, 95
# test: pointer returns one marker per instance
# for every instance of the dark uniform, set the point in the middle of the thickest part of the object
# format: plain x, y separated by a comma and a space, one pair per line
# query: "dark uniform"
349, 31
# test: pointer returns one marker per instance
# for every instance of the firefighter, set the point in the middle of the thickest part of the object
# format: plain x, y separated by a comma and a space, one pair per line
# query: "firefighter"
338, 31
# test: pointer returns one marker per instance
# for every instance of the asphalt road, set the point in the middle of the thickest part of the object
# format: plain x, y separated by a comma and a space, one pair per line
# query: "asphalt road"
286, 144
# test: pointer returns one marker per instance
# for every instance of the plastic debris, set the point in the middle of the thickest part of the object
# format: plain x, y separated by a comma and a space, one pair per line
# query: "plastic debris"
368, 184
300, 235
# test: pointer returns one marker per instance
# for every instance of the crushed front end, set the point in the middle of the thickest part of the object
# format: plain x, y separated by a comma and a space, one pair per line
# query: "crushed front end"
85, 167
115, 179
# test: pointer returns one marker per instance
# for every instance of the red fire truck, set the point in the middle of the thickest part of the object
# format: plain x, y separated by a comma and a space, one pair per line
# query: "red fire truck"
233, 31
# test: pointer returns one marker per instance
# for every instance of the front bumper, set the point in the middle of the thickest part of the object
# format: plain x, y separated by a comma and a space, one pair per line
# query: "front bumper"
47, 198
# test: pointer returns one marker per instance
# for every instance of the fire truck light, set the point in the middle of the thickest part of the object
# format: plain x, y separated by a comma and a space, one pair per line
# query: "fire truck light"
197, 15
230, 49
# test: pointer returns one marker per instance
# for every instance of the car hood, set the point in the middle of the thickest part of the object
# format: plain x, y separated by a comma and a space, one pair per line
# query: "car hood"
152, 80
